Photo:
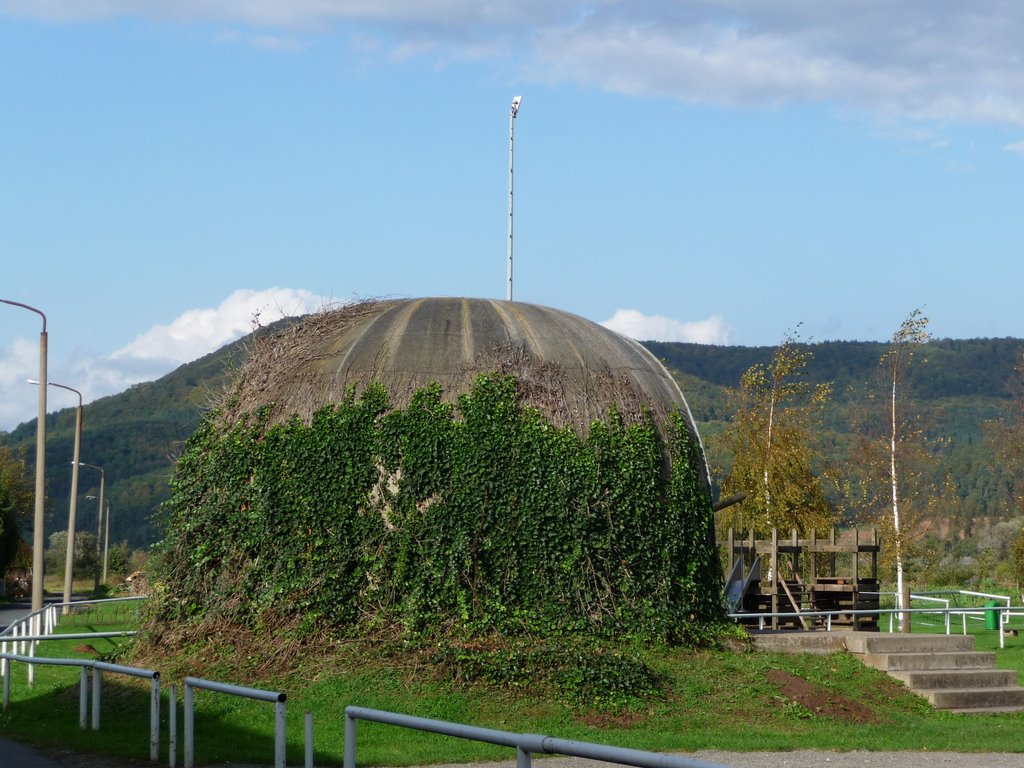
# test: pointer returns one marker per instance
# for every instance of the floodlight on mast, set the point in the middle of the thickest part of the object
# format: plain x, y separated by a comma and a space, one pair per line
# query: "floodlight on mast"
513, 111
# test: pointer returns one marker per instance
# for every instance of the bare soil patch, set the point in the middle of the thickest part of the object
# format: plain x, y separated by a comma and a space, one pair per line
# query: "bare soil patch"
820, 700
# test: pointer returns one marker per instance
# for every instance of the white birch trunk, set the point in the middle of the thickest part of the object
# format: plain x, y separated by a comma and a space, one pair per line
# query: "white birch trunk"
895, 503
767, 458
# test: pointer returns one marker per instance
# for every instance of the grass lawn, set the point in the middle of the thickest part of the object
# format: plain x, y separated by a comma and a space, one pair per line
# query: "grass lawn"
711, 700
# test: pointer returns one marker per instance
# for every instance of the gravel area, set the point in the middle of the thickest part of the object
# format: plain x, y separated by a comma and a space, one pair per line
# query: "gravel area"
807, 758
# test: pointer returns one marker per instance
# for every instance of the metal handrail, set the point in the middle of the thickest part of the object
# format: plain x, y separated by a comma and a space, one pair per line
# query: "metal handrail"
97, 668
278, 699
525, 744
41, 624
828, 615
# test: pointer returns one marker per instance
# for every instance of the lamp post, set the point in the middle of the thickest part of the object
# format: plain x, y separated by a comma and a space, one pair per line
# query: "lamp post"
106, 541
106, 538
99, 523
38, 538
513, 111
69, 560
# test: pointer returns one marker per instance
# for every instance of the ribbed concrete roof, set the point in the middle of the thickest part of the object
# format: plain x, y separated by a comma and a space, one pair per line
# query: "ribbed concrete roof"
569, 367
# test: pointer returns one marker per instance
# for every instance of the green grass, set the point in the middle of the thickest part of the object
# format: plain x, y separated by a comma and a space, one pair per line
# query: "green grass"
712, 700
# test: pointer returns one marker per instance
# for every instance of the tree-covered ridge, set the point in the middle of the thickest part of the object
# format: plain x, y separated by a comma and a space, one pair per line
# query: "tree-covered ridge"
955, 368
136, 436
963, 385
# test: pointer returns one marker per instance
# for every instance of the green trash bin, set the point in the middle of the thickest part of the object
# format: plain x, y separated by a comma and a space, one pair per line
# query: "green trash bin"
991, 617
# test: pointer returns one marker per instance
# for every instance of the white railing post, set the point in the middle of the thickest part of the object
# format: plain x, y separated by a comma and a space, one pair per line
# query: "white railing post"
189, 726
280, 736
350, 741
83, 697
97, 685
31, 667
308, 740
172, 726
154, 718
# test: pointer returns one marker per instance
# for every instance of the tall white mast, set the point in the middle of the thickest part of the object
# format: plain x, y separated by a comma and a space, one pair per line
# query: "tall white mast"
511, 182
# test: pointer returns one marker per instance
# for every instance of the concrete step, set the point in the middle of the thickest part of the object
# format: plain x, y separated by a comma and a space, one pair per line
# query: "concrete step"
799, 642
875, 643
946, 679
985, 710
912, 662
976, 699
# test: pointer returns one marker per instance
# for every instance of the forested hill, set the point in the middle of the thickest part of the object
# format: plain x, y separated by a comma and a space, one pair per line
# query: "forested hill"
949, 367
137, 434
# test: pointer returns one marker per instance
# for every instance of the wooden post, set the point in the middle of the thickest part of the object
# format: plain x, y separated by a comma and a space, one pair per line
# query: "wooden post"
874, 554
832, 555
856, 556
795, 556
814, 558
732, 551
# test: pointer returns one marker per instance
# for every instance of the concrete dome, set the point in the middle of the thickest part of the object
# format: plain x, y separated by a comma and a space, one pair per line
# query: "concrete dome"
570, 368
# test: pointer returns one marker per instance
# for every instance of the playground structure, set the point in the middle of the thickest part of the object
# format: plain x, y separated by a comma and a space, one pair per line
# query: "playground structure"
797, 576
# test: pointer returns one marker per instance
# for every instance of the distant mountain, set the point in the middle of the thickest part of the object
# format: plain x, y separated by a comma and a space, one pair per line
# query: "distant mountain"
137, 435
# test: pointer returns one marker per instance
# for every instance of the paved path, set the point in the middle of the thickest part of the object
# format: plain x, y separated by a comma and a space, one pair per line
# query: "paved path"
18, 756
13, 611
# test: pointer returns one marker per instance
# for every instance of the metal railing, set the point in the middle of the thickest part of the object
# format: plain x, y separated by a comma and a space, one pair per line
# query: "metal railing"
26, 632
525, 744
97, 669
879, 612
278, 699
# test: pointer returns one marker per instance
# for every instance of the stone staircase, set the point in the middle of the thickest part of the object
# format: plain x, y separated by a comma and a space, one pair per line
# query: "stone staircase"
944, 669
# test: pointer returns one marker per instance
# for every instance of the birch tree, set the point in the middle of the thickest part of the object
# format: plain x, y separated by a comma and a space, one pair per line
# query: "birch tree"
895, 363
775, 461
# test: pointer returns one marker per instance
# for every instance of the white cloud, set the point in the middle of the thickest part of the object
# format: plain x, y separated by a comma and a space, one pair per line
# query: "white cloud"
1016, 148
18, 363
902, 58
636, 325
199, 331
154, 353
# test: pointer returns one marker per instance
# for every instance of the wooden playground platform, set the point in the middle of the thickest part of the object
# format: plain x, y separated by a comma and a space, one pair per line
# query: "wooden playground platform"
798, 576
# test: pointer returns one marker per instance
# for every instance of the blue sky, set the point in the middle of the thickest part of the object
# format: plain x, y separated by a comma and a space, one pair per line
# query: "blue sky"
715, 171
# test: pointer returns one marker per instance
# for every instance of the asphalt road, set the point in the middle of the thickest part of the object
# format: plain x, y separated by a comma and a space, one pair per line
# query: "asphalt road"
13, 612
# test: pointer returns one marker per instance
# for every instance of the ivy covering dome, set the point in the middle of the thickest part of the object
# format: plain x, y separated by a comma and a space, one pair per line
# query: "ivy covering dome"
336, 484
568, 367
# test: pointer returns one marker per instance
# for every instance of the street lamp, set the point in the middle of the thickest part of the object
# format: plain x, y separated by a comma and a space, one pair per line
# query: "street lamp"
513, 111
99, 523
38, 539
69, 561
106, 538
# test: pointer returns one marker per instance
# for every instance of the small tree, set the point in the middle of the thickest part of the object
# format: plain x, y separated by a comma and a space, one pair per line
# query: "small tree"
775, 461
118, 558
16, 503
912, 332
85, 553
